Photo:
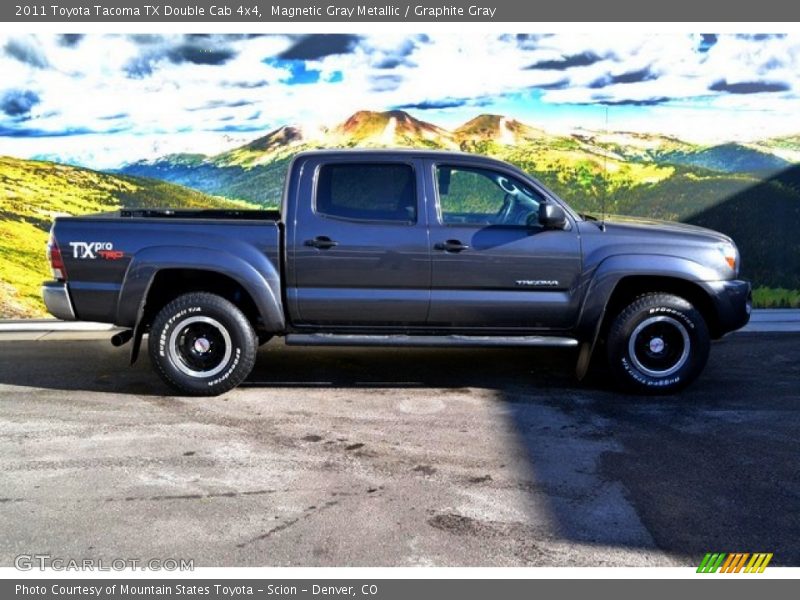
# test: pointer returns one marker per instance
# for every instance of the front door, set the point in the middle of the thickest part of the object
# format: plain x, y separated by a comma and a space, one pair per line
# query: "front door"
494, 266
361, 253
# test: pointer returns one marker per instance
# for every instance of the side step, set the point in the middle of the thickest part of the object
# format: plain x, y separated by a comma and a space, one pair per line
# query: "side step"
444, 341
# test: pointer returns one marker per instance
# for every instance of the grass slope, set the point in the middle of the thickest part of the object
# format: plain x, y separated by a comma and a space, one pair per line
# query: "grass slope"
33, 192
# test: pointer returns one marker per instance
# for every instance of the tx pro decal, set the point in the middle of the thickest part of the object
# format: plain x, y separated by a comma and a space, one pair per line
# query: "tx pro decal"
95, 250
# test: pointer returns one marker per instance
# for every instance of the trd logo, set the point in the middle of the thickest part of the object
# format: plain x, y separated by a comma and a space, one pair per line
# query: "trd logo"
94, 249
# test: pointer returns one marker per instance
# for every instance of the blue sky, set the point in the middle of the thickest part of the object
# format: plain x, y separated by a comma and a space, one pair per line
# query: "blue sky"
102, 100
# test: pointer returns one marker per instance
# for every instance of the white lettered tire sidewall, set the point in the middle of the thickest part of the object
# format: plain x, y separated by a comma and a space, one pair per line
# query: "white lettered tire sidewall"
674, 313
233, 328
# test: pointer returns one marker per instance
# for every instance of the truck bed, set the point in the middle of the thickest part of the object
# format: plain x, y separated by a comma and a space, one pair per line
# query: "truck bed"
111, 257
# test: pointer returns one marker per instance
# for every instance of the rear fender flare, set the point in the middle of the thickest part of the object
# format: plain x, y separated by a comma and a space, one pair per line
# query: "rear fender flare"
255, 273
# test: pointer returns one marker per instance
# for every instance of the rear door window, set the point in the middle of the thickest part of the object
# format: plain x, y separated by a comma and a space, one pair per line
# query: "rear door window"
367, 192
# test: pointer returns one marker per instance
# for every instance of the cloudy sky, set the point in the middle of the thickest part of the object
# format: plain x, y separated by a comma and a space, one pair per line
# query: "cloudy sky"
102, 100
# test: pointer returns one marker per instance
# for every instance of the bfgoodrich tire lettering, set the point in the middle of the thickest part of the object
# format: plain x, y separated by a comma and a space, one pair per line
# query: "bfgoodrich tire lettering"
658, 344
202, 344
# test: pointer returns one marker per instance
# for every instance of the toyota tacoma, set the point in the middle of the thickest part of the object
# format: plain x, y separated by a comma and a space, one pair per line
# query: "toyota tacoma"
400, 248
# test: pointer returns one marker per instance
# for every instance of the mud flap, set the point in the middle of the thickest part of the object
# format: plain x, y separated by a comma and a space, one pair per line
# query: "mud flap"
584, 359
138, 332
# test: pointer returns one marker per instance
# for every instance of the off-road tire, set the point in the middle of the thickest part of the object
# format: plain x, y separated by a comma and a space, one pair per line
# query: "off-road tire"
202, 345
658, 344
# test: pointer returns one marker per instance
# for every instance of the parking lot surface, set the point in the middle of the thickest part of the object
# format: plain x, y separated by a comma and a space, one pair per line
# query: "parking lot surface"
398, 457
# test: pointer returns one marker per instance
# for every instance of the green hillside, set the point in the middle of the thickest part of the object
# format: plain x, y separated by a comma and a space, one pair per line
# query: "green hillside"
33, 192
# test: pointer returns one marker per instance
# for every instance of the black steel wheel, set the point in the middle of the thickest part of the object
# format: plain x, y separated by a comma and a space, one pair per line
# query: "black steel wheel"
202, 344
658, 344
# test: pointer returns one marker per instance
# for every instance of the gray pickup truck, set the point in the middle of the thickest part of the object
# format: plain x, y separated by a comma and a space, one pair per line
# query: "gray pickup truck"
400, 248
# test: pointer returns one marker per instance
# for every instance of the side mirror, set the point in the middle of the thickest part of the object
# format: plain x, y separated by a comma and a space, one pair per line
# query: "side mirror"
552, 216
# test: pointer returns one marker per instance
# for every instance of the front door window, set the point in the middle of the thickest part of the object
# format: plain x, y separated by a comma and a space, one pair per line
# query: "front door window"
481, 197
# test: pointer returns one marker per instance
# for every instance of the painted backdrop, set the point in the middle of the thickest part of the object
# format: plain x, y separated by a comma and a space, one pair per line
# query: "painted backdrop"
699, 128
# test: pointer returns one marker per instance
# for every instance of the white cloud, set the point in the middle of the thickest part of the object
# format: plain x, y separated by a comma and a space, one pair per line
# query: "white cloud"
141, 95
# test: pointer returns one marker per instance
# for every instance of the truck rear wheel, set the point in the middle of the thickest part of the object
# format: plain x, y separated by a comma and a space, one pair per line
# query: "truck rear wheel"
202, 344
658, 344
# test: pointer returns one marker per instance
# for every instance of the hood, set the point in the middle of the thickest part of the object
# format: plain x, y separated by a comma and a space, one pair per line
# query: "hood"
624, 224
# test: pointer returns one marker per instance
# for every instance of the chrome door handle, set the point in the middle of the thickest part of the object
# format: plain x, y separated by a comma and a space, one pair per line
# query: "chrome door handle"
321, 242
451, 246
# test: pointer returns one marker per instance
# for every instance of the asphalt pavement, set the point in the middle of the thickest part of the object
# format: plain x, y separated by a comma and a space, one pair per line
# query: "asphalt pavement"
397, 457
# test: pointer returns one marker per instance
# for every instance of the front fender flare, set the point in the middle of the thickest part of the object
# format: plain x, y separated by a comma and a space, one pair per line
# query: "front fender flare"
608, 275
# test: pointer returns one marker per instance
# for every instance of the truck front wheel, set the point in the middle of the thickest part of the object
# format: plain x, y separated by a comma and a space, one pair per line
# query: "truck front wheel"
202, 345
658, 344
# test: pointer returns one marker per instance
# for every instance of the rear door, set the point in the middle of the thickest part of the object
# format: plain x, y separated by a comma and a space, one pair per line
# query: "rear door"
494, 266
360, 252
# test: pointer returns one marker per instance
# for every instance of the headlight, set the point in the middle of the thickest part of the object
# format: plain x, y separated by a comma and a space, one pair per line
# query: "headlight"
731, 255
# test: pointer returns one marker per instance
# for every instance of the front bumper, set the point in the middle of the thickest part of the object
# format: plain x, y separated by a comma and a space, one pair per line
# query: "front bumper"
57, 300
733, 301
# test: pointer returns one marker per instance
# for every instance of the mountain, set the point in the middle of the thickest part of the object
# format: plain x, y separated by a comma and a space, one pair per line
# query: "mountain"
496, 128
255, 172
641, 173
786, 147
391, 128
728, 158
724, 158
594, 164
621, 170
789, 142
33, 192
283, 137
280, 143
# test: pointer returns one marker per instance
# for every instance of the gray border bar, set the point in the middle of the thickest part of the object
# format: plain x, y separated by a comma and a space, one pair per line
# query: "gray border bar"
731, 587
416, 11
